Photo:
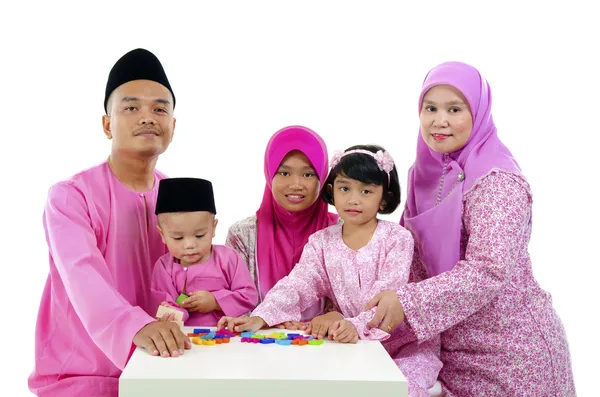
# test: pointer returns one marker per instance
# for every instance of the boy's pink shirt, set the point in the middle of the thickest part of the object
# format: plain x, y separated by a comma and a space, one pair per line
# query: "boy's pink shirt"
225, 275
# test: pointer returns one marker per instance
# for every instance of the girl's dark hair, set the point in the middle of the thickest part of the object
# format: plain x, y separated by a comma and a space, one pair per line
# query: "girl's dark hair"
364, 168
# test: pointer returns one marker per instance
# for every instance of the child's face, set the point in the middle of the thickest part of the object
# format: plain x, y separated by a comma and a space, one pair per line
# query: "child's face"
188, 235
295, 185
356, 202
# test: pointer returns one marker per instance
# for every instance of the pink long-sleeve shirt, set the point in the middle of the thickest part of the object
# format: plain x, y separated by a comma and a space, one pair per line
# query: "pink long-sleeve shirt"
500, 335
102, 244
225, 275
329, 268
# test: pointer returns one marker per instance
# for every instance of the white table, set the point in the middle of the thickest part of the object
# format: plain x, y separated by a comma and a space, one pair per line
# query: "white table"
248, 370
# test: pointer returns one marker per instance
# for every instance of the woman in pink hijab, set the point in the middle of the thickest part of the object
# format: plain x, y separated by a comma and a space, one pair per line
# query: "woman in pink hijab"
469, 209
271, 242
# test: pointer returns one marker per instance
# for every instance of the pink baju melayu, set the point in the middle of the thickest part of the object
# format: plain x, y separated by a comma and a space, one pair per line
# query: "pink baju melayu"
224, 275
102, 245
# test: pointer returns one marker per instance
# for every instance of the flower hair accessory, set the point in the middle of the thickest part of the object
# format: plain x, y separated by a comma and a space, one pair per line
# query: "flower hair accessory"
384, 160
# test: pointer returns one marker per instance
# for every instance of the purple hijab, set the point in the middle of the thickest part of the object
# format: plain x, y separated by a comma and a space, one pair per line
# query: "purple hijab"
437, 228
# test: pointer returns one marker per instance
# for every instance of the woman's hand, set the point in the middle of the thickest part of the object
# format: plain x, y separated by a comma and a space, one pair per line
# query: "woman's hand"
389, 314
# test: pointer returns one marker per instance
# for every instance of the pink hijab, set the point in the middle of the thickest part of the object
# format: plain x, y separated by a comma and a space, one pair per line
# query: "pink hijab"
437, 229
281, 235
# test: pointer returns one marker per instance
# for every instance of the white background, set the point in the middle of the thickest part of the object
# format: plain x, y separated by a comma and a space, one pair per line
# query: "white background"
350, 70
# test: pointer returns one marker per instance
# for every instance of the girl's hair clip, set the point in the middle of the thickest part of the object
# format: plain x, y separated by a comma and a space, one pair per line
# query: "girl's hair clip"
384, 160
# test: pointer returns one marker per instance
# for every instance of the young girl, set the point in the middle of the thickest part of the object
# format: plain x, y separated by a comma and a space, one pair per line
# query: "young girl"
271, 242
469, 209
349, 263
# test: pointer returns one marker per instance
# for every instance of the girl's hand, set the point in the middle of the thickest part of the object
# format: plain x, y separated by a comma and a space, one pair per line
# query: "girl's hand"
344, 332
292, 325
241, 324
389, 314
320, 326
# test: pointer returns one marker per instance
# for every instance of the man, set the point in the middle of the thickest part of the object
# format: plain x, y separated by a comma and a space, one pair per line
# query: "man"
103, 242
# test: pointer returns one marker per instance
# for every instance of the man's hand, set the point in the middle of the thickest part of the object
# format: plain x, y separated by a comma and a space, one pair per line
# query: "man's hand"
162, 338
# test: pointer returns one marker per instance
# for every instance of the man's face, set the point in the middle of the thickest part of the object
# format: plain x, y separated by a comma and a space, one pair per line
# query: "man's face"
140, 118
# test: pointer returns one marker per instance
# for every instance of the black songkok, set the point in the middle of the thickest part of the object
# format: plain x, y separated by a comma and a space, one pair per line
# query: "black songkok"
185, 195
138, 64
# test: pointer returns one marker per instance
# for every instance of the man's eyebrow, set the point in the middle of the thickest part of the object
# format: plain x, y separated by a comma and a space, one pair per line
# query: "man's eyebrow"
163, 101
136, 99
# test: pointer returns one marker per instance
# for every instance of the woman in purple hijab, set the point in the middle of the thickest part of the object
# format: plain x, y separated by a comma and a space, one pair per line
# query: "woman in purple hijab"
469, 209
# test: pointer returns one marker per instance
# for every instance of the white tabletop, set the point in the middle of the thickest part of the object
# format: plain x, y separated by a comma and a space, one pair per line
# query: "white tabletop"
246, 370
